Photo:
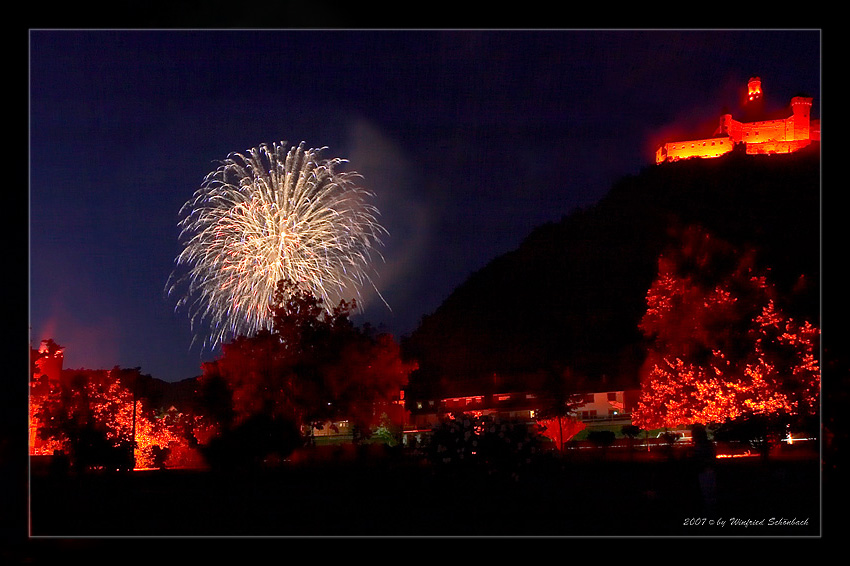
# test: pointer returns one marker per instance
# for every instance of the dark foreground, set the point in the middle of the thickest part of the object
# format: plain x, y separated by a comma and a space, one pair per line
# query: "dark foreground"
395, 497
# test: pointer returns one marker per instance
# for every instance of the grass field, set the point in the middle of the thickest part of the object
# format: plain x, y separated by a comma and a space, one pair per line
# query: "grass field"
391, 496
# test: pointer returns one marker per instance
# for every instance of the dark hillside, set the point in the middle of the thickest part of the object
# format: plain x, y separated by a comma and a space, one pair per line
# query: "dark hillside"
572, 294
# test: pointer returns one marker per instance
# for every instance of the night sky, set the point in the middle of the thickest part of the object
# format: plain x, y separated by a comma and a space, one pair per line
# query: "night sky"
470, 139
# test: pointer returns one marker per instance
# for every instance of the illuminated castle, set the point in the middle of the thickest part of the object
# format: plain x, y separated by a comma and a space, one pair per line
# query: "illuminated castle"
784, 135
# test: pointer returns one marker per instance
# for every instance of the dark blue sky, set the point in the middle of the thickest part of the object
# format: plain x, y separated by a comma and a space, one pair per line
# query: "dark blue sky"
470, 139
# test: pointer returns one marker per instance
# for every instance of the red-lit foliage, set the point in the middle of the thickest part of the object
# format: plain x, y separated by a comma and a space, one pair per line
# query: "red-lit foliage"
45, 367
258, 376
85, 404
314, 366
38, 444
560, 430
368, 376
720, 346
556, 414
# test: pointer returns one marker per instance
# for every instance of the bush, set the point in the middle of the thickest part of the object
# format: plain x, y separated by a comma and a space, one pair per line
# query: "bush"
497, 445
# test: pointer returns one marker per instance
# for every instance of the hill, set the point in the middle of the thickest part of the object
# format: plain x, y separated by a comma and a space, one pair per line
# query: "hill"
572, 294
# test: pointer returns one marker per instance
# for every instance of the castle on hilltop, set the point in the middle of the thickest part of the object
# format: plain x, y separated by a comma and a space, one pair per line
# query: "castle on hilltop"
783, 135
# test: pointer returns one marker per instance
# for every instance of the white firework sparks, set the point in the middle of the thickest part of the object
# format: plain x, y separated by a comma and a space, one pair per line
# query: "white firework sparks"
267, 215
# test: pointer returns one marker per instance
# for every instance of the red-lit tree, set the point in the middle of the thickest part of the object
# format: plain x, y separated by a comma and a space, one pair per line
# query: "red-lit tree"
560, 429
82, 415
105, 418
259, 378
41, 389
557, 413
721, 348
362, 385
313, 366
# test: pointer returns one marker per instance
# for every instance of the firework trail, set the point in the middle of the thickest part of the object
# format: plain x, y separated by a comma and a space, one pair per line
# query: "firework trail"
263, 216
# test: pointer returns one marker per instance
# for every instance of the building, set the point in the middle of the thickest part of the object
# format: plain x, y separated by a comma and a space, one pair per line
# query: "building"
608, 405
766, 136
518, 400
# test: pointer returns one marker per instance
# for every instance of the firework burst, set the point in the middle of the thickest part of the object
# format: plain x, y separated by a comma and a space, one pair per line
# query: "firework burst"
271, 213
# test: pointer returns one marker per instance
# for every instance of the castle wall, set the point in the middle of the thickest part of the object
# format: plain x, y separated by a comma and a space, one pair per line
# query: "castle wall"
777, 147
768, 131
705, 148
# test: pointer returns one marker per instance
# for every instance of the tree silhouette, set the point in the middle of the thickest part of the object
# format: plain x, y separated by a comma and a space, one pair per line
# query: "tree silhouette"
760, 432
602, 438
631, 432
720, 346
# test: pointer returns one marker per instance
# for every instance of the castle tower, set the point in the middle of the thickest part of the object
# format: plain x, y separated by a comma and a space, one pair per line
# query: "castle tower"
801, 108
729, 127
754, 90
754, 101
